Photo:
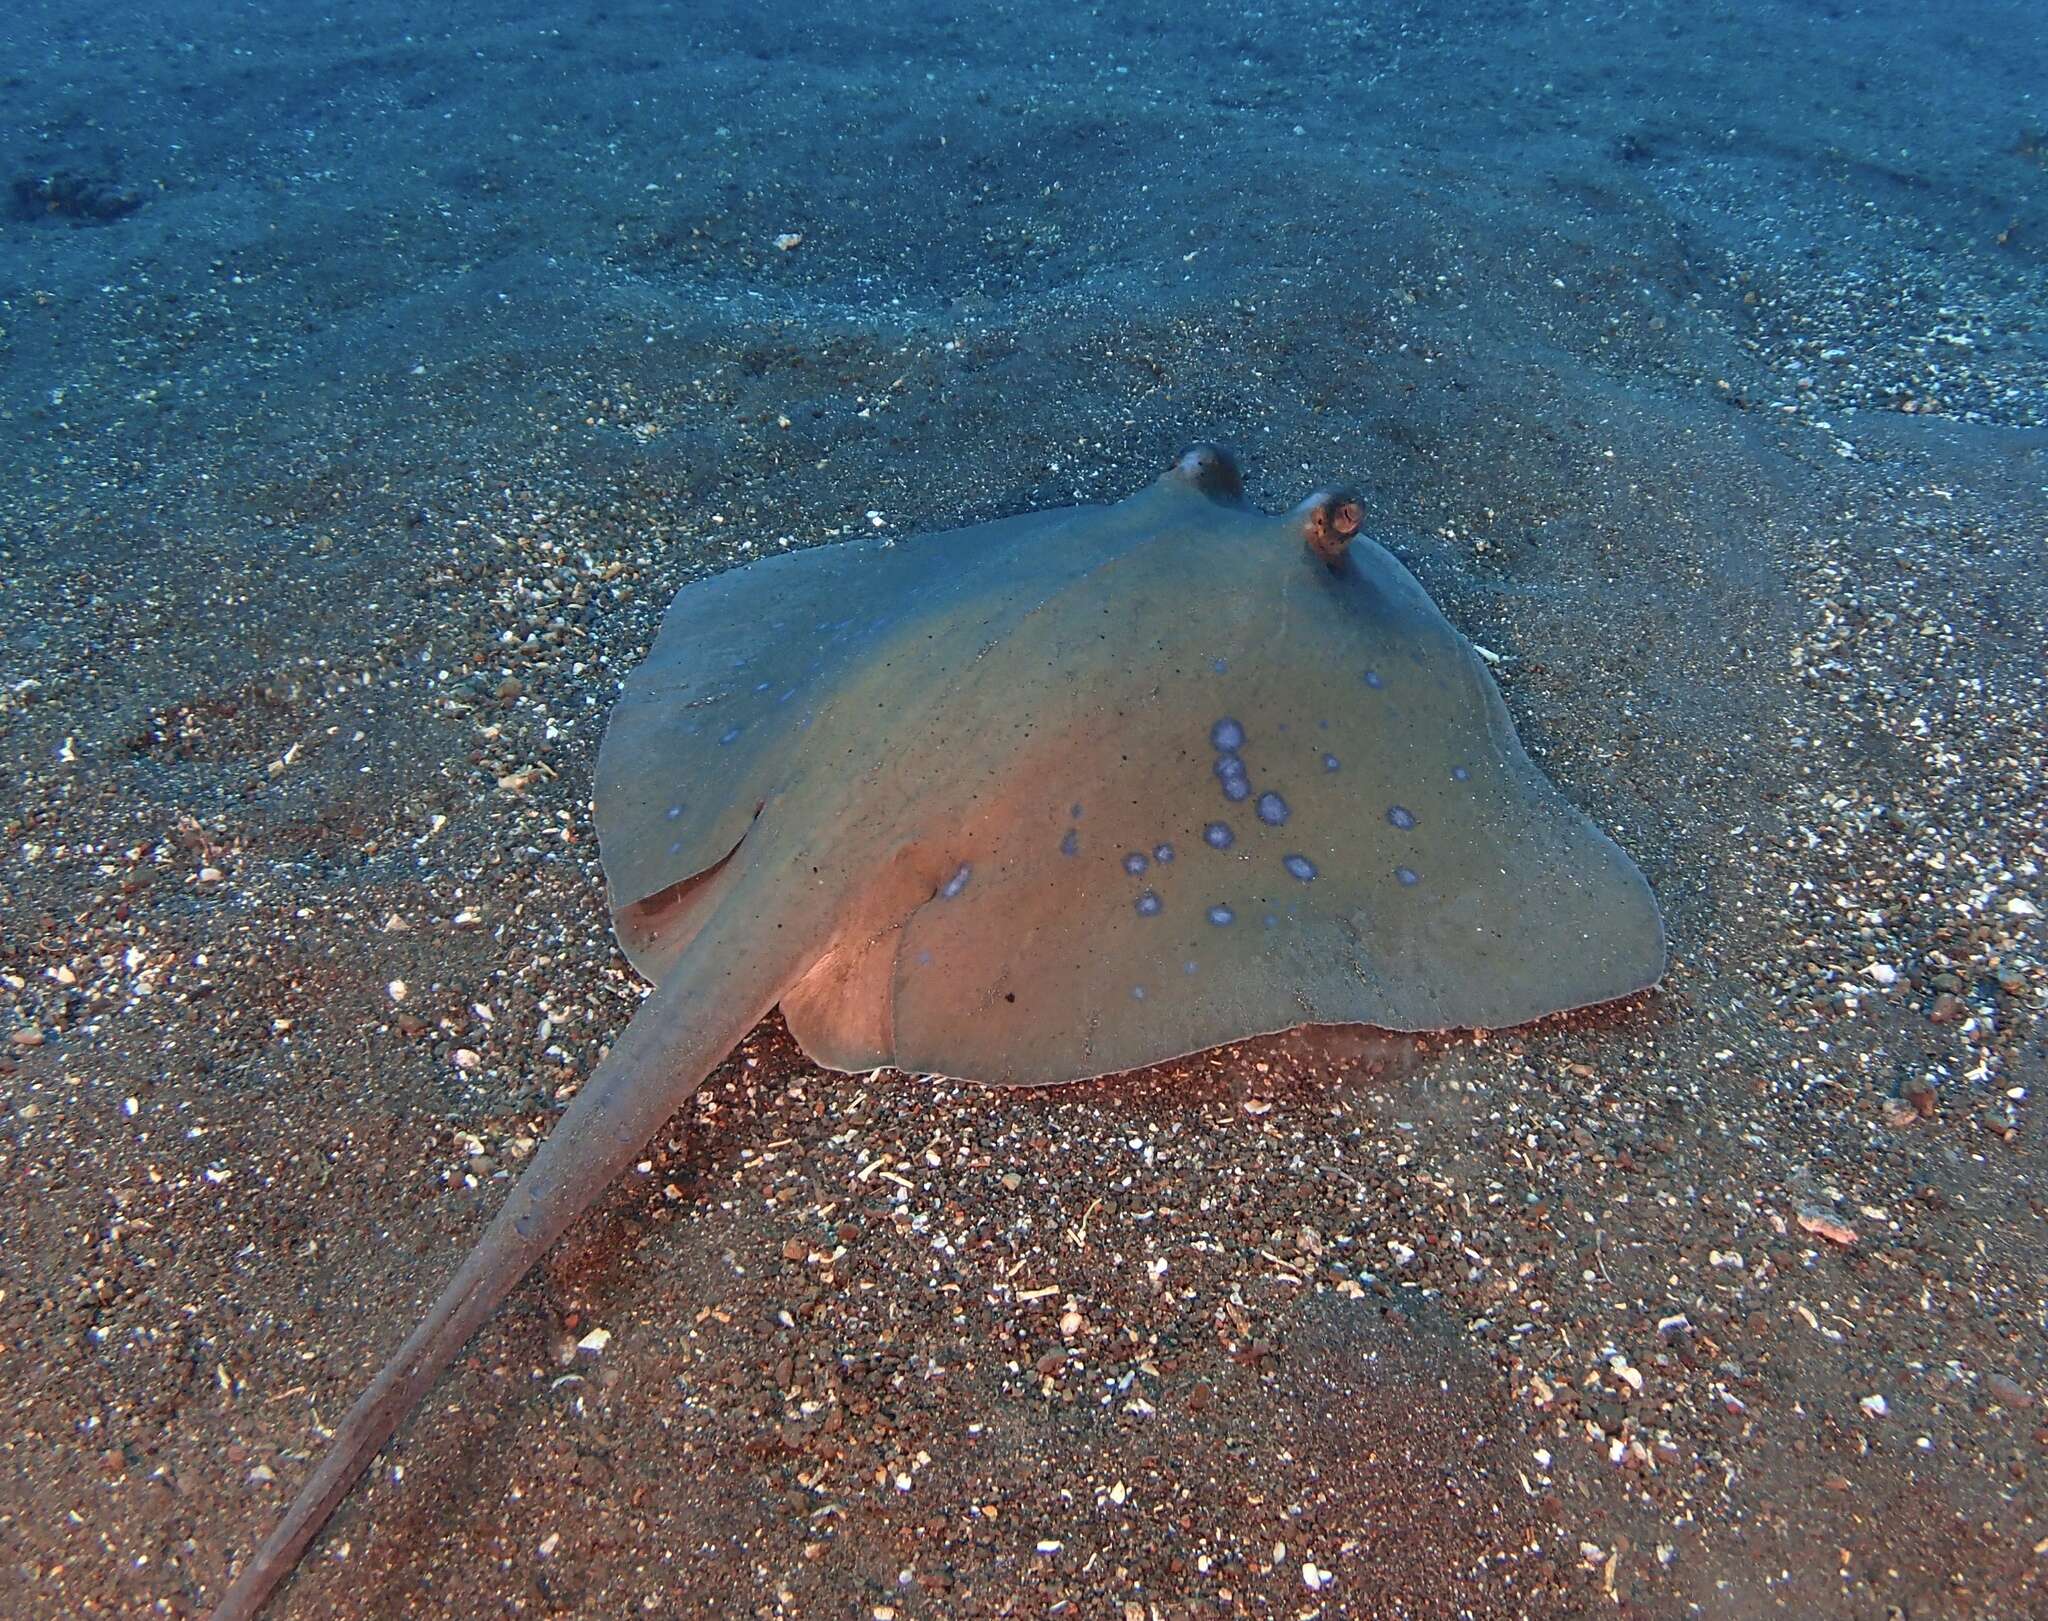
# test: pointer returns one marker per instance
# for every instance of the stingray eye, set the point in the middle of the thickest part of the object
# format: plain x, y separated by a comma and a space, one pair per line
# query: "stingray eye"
1328, 520
1212, 470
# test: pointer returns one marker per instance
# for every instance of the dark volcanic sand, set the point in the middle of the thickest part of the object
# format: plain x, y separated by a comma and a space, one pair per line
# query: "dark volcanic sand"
370, 382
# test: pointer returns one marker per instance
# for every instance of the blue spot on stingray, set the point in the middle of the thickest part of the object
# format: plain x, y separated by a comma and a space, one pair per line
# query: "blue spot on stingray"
1401, 816
1226, 734
739, 663
1408, 877
1137, 993
1329, 762
1236, 790
1148, 904
1460, 774
924, 959
763, 686
787, 696
1221, 915
1272, 922
953, 885
1075, 813
1273, 810
1071, 844
730, 735
674, 811
1162, 853
1300, 866
1372, 679
1227, 766
1220, 666
1217, 836
676, 848
1135, 863
1188, 967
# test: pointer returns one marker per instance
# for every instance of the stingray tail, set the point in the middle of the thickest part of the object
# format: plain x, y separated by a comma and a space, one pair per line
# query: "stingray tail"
717, 992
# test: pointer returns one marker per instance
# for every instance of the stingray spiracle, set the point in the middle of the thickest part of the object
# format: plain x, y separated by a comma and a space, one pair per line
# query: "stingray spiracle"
1329, 520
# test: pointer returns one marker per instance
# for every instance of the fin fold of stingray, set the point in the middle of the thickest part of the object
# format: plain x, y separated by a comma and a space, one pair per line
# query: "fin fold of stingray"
728, 980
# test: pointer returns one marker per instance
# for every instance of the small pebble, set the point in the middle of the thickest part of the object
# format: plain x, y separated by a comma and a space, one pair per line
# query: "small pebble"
1823, 1223
1947, 1008
2008, 1392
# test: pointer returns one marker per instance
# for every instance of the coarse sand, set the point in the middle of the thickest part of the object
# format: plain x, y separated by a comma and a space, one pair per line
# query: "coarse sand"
371, 379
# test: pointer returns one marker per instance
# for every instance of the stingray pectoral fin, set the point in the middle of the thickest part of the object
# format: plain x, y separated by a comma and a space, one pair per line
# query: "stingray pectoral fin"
722, 986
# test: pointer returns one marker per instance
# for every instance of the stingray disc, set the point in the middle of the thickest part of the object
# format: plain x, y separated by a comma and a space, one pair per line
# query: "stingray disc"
1093, 788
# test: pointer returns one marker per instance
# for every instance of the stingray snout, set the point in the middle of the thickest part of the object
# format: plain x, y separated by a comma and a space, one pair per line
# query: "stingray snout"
1328, 520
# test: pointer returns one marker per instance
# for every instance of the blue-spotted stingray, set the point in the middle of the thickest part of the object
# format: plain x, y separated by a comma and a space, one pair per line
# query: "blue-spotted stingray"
1038, 800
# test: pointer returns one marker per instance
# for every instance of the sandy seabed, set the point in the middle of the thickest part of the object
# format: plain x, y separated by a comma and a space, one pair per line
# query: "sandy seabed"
370, 383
